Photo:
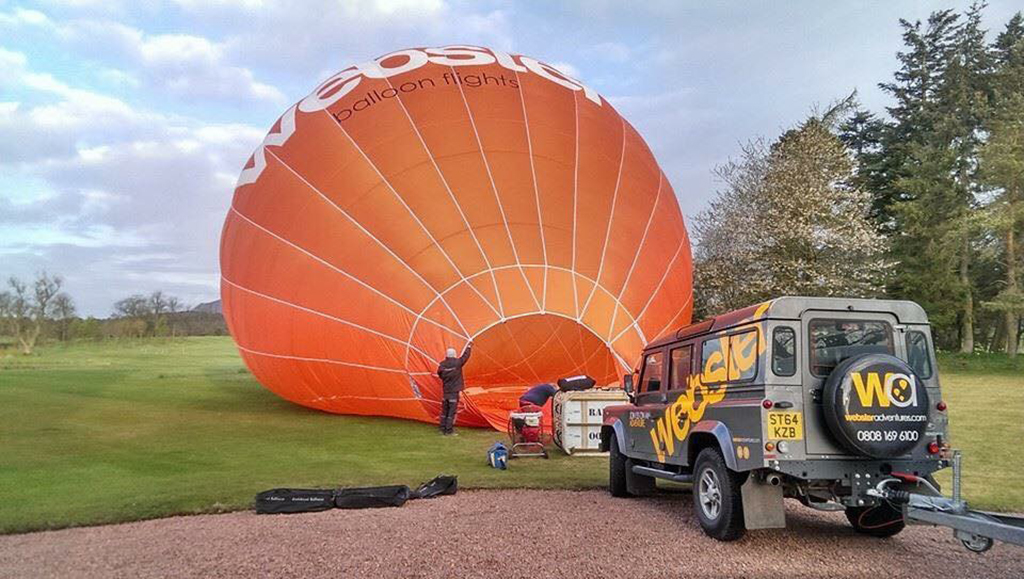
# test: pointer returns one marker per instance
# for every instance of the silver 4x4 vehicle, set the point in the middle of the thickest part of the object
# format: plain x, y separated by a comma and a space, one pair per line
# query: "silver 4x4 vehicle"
815, 399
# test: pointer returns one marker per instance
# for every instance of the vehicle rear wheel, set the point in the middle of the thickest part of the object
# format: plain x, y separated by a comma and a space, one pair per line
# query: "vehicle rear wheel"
617, 470
882, 520
716, 497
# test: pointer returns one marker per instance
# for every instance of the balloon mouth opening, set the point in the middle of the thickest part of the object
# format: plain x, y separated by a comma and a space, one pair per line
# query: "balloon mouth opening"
537, 348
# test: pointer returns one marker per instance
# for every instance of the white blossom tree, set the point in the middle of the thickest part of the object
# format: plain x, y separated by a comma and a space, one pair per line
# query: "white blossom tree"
788, 222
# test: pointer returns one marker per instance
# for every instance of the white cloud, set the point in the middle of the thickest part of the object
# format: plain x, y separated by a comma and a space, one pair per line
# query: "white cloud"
187, 65
111, 178
24, 16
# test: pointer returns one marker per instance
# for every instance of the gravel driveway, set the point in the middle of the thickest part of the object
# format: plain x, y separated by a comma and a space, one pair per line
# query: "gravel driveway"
521, 533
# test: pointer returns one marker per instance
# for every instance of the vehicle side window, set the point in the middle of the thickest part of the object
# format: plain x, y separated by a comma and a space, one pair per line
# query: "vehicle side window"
917, 354
679, 370
743, 356
713, 360
784, 351
653, 366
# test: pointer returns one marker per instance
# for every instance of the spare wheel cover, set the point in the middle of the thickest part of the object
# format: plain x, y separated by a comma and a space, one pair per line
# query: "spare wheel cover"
875, 405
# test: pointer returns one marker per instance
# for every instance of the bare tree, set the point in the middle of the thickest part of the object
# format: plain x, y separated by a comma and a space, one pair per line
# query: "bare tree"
134, 306
148, 314
26, 312
63, 314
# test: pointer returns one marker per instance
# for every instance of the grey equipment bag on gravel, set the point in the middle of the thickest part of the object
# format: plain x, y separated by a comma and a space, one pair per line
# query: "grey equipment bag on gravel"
294, 501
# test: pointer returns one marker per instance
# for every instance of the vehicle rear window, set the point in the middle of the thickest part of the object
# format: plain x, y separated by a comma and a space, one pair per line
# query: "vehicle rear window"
784, 351
679, 371
917, 354
834, 340
653, 364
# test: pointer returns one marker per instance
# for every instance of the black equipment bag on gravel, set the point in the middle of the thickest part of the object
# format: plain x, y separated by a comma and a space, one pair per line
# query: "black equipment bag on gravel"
440, 485
371, 497
294, 501
576, 383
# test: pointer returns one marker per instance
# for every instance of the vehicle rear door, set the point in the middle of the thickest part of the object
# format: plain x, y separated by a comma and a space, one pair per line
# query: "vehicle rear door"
831, 337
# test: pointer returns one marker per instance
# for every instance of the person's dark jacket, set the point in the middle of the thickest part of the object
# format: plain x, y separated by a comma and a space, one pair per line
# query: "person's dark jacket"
539, 394
450, 372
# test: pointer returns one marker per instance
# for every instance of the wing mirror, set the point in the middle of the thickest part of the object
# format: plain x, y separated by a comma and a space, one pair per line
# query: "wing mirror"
627, 384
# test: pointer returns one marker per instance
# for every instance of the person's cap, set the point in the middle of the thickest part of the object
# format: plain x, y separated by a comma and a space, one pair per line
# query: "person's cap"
450, 352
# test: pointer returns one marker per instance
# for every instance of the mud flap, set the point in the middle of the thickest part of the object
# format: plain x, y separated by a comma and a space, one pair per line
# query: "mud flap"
762, 505
638, 485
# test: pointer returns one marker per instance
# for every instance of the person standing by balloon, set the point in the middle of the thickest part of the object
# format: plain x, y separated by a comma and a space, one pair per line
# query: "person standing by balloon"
450, 373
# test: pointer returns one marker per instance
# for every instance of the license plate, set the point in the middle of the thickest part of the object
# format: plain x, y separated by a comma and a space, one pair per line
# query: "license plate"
785, 426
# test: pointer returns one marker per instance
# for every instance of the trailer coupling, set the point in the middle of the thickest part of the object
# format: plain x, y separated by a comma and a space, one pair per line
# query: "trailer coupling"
977, 530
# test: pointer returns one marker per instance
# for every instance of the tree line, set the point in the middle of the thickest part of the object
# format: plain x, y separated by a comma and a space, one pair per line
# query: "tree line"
923, 201
36, 310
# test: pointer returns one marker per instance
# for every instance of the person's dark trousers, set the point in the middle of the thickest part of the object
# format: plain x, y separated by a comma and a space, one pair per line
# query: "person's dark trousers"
448, 408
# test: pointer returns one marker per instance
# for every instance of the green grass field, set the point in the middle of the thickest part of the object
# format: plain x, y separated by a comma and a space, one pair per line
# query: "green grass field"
115, 431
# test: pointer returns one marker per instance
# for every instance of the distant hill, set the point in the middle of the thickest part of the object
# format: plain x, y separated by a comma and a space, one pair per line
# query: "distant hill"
209, 308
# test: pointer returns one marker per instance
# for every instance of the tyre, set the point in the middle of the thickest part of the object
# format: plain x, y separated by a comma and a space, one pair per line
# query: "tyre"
716, 497
617, 470
882, 520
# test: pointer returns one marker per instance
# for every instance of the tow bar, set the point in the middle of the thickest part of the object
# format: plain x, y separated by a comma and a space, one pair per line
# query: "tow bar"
977, 530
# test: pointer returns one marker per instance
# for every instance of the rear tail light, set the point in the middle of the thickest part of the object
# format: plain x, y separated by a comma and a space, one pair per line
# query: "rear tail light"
769, 446
941, 406
934, 447
767, 404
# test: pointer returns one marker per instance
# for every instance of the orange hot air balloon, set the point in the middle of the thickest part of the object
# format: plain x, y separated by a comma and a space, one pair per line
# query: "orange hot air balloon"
438, 195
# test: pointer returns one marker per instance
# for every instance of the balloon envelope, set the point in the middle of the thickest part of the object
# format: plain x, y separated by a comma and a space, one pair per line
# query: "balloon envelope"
433, 196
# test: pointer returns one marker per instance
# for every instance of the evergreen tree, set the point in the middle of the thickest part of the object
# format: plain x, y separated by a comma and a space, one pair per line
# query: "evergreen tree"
925, 185
1002, 167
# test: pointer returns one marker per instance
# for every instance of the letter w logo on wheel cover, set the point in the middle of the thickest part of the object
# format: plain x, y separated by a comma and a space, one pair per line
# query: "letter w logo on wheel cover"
900, 390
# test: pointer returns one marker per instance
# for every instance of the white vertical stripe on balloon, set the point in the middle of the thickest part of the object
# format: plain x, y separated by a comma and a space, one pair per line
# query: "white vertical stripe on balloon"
368, 234
664, 276
451, 195
536, 192
639, 248
575, 198
669, 324
611, 216
494, 188
407, 208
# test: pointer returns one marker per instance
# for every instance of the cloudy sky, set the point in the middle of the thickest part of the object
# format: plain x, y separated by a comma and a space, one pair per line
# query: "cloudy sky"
124, 124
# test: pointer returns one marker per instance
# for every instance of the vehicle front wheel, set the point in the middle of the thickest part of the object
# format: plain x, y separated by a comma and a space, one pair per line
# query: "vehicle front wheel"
716, 497
617, 470
882, 520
